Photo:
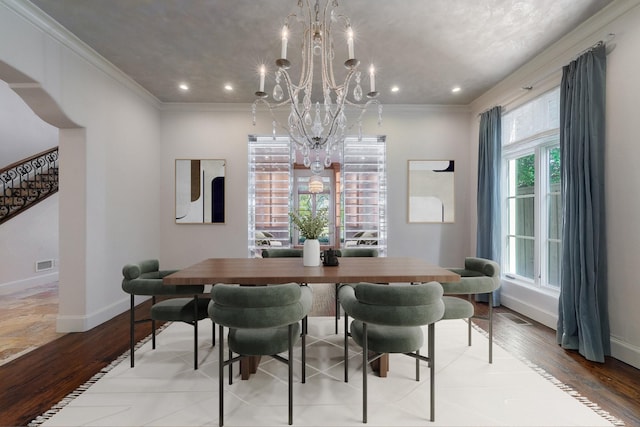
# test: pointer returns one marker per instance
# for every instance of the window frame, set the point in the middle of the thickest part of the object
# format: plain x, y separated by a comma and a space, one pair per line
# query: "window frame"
540, 145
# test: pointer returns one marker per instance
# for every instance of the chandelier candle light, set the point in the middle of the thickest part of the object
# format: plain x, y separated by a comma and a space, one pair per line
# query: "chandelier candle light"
318, 127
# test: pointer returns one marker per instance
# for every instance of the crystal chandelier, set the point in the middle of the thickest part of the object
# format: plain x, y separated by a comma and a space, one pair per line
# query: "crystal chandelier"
321, 126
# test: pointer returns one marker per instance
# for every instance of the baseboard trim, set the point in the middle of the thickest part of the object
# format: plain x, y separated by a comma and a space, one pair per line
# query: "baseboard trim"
625, 352
18, 285
537, 306
80, 323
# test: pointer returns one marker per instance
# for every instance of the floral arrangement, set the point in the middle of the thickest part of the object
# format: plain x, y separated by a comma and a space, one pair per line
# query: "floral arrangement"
311, 227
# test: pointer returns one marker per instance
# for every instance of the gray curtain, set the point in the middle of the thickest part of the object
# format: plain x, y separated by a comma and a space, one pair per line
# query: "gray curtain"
488, 242
583, 320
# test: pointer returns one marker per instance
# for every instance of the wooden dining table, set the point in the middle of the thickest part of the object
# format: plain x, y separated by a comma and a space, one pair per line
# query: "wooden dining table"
265, 271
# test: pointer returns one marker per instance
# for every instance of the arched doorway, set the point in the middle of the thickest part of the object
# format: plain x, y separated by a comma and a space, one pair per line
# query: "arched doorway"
71, 138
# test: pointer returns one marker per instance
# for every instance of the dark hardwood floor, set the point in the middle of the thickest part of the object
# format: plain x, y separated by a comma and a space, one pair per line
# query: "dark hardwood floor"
33, 383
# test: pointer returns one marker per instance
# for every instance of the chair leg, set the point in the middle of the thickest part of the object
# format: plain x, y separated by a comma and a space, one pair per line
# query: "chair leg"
470, 297
365, 354
417, 365
290, 363
491, 327
132, 322
231, 368
153, 326
346, 348
432, 370
337, 307
195, 332
221, 381
304, 349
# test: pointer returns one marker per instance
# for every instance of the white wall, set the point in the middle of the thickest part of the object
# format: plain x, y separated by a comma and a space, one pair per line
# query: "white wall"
26, 238
220, 132
623, 205
109, 193
622, 171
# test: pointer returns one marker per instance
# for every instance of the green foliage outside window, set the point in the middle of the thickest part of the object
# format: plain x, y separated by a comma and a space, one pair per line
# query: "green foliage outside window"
526, 169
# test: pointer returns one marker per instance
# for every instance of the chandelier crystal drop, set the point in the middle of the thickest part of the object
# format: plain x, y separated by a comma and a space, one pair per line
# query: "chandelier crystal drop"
317, 120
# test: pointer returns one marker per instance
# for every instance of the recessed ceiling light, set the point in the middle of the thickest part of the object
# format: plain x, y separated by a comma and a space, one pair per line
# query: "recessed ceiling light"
395, 89
228, 87
183, 86
456, 89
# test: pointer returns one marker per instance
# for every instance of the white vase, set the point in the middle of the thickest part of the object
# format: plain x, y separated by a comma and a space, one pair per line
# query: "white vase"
311, 253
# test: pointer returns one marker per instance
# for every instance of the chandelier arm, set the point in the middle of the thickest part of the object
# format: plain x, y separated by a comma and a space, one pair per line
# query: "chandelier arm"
363, 111
343, 100
328, 80
306, 69
294, 137
347, 24
300, 127
270, 106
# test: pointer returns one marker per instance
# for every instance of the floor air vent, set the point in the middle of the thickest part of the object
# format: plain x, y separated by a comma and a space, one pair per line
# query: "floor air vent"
44, 265
514, 318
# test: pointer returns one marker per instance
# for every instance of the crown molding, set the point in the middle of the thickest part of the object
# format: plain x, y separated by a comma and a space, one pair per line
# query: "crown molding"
246, 108
58, 33
205, 106
430, 108
546, 66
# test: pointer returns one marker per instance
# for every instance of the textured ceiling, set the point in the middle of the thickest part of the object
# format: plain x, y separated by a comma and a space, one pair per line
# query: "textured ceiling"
424, 46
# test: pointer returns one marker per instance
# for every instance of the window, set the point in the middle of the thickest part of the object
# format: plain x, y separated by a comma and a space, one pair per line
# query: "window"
533, 217
355, 194
307, 202
269, 190
364, 194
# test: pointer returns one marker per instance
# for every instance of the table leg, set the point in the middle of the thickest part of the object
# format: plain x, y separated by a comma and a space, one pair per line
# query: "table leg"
381, 365
248, 366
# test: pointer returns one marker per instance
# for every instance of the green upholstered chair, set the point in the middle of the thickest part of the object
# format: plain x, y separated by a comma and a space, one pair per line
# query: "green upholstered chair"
145, 278
187, 310
282, 253
388, 319
350, 252
262, 321
479, 276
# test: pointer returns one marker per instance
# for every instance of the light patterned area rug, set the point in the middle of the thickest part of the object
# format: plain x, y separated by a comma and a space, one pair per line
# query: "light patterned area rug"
164, 389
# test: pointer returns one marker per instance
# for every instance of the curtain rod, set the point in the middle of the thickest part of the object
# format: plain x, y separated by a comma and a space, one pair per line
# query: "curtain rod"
610, 37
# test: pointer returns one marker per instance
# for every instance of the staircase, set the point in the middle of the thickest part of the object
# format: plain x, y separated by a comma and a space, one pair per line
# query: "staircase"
27, 182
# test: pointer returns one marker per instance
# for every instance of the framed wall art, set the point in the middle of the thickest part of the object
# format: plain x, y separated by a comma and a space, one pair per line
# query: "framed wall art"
200, 191
431, 196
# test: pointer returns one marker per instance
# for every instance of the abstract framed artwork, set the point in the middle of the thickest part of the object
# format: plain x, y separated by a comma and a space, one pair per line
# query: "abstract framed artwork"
200, 191
431, 196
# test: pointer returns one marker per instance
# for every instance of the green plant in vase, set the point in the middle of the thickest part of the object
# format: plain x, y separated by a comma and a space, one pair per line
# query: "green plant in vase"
311, 227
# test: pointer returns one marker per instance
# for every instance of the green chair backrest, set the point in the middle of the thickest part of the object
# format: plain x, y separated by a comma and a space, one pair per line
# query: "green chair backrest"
357, 252
257, 307
394, 305
282, 253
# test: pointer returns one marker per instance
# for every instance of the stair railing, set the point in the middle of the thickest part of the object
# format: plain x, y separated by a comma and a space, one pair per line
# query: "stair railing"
27, 182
